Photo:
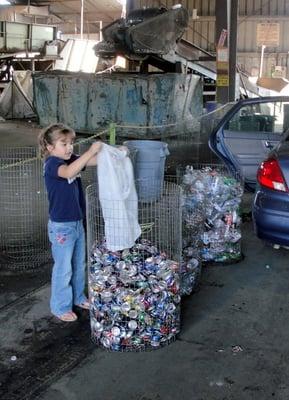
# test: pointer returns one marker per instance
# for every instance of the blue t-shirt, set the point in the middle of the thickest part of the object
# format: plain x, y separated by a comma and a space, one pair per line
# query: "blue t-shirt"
65, 196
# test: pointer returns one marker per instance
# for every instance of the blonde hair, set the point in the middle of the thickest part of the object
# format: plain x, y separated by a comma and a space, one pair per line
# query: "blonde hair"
50, 134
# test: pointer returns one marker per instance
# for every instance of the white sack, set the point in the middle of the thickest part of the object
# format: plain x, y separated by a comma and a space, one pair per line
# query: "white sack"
118, 198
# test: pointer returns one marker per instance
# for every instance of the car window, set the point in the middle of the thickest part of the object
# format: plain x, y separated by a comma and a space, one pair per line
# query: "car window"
263, 117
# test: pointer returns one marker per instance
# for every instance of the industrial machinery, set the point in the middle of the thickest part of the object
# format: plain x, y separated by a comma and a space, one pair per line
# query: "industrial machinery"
143, 32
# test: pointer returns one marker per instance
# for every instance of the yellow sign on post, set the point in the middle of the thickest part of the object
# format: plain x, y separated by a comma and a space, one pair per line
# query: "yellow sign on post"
222, 80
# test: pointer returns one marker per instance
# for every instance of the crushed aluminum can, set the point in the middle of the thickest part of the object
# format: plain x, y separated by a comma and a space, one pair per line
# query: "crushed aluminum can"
137, 305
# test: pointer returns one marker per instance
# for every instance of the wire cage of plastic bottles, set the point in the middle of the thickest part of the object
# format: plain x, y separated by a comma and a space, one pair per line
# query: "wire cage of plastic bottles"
134, 293
218, 191
193, 222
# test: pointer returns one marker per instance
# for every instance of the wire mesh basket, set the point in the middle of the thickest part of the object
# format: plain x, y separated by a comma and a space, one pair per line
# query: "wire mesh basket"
219, 192
135, 293
24, 243
23, 210
193, 220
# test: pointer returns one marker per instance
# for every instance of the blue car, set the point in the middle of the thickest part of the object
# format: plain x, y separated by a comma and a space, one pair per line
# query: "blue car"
252, 139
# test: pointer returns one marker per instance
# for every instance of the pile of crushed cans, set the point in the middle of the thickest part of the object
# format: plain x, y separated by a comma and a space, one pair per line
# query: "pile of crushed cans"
219, 195
134, 297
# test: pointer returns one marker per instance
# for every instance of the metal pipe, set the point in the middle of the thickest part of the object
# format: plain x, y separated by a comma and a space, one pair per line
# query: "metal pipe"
262, 61
81, 19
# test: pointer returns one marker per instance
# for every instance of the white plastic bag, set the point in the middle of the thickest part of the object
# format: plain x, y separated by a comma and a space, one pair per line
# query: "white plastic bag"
118, 198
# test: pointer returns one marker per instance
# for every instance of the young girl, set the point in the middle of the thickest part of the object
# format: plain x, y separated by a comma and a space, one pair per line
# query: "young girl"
66, 213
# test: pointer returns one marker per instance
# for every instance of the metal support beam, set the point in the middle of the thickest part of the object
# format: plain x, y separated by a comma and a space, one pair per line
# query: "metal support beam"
233, 49
226, 19
130, 5
222, 93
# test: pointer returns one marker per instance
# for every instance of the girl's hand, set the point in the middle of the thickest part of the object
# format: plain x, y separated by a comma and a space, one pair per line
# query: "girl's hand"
93, 151
95, 147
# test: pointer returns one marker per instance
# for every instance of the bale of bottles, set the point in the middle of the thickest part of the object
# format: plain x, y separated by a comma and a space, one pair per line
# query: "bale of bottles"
219, 193
134, 293
193, 218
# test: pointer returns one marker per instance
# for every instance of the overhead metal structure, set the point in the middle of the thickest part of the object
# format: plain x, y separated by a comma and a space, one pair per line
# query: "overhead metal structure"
69, 11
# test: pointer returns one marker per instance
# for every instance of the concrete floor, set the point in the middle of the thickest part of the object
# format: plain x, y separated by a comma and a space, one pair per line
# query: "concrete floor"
233, 343
18, 133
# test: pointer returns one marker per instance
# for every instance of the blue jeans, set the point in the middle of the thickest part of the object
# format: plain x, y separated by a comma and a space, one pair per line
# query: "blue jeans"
68, 274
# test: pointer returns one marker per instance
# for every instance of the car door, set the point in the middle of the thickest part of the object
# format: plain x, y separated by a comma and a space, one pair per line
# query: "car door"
249, 132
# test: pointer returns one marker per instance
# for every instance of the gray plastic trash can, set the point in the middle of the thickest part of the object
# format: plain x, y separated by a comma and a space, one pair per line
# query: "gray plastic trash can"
149, 167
